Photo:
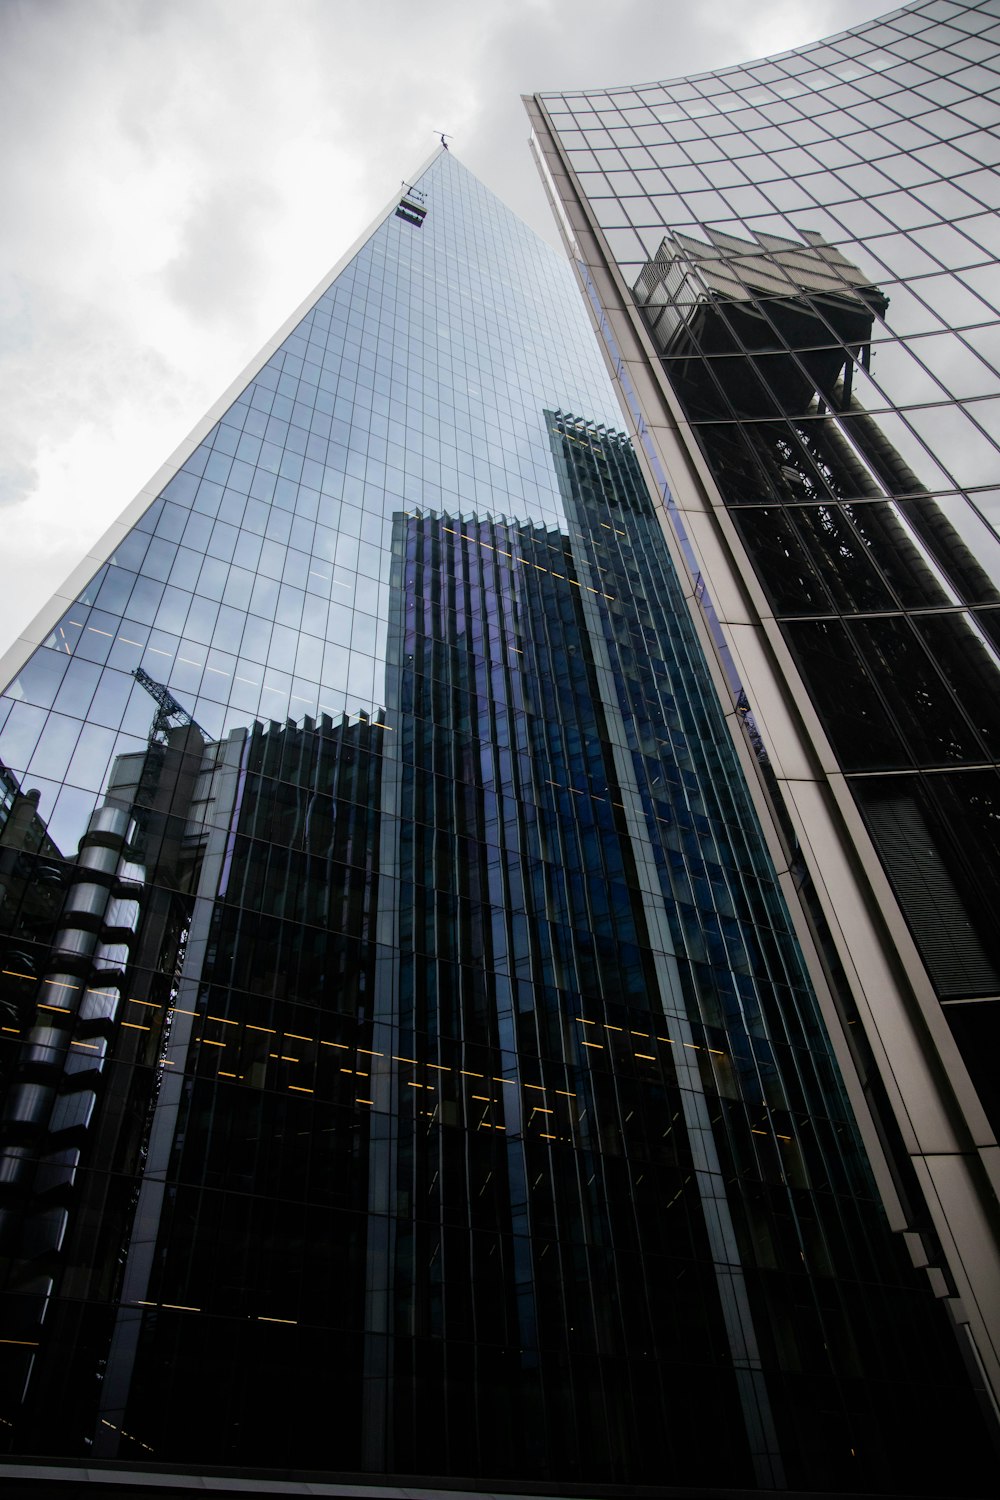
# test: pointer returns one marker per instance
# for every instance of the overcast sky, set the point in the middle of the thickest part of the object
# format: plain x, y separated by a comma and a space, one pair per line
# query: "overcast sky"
176, 175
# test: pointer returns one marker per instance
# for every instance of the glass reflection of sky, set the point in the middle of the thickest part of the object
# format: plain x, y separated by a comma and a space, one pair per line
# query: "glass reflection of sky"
257, 584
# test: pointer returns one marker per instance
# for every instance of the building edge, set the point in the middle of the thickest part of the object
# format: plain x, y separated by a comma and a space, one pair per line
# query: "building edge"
26, 1480
34, 633
934, 1156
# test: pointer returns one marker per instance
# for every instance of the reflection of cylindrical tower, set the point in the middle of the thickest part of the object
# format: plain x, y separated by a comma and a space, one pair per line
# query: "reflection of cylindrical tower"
32, 877
64, 1097
30, 1107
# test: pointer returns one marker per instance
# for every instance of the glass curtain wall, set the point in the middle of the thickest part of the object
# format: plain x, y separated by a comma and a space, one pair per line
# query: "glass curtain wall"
408, 1063
826, 303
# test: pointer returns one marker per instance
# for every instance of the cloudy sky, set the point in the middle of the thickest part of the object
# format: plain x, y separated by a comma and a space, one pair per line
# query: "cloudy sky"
176, 175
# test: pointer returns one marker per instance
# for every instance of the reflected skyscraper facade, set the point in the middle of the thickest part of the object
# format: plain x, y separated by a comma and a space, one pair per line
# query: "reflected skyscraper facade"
793, 268
411, 1067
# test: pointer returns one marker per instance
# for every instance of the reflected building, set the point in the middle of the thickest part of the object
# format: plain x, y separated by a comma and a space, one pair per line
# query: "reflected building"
29, 897
793, 268
421, 1079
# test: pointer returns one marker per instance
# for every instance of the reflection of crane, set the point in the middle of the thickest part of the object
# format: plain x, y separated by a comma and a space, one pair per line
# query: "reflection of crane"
169, 711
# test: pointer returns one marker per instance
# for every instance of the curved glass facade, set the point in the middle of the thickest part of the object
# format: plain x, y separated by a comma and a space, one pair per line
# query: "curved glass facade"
808, 249
408, 1063
826, 305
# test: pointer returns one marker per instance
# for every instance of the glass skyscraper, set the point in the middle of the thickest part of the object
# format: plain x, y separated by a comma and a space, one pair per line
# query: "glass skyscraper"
411, 1071
794, 267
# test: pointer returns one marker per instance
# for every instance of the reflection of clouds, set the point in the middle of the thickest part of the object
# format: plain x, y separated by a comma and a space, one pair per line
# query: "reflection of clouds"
361, 679
893, 369
969, 455
95, 750
947, 296
277, 669
983, 543
931, 368
365, 634
988, 502
373, 588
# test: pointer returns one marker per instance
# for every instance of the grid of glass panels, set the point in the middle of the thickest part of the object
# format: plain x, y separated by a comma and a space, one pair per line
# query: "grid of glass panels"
408, 1064
884, 141
814, 240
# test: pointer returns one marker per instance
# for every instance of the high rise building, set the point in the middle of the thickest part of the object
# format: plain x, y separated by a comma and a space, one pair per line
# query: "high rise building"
410, 1064
794, 269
